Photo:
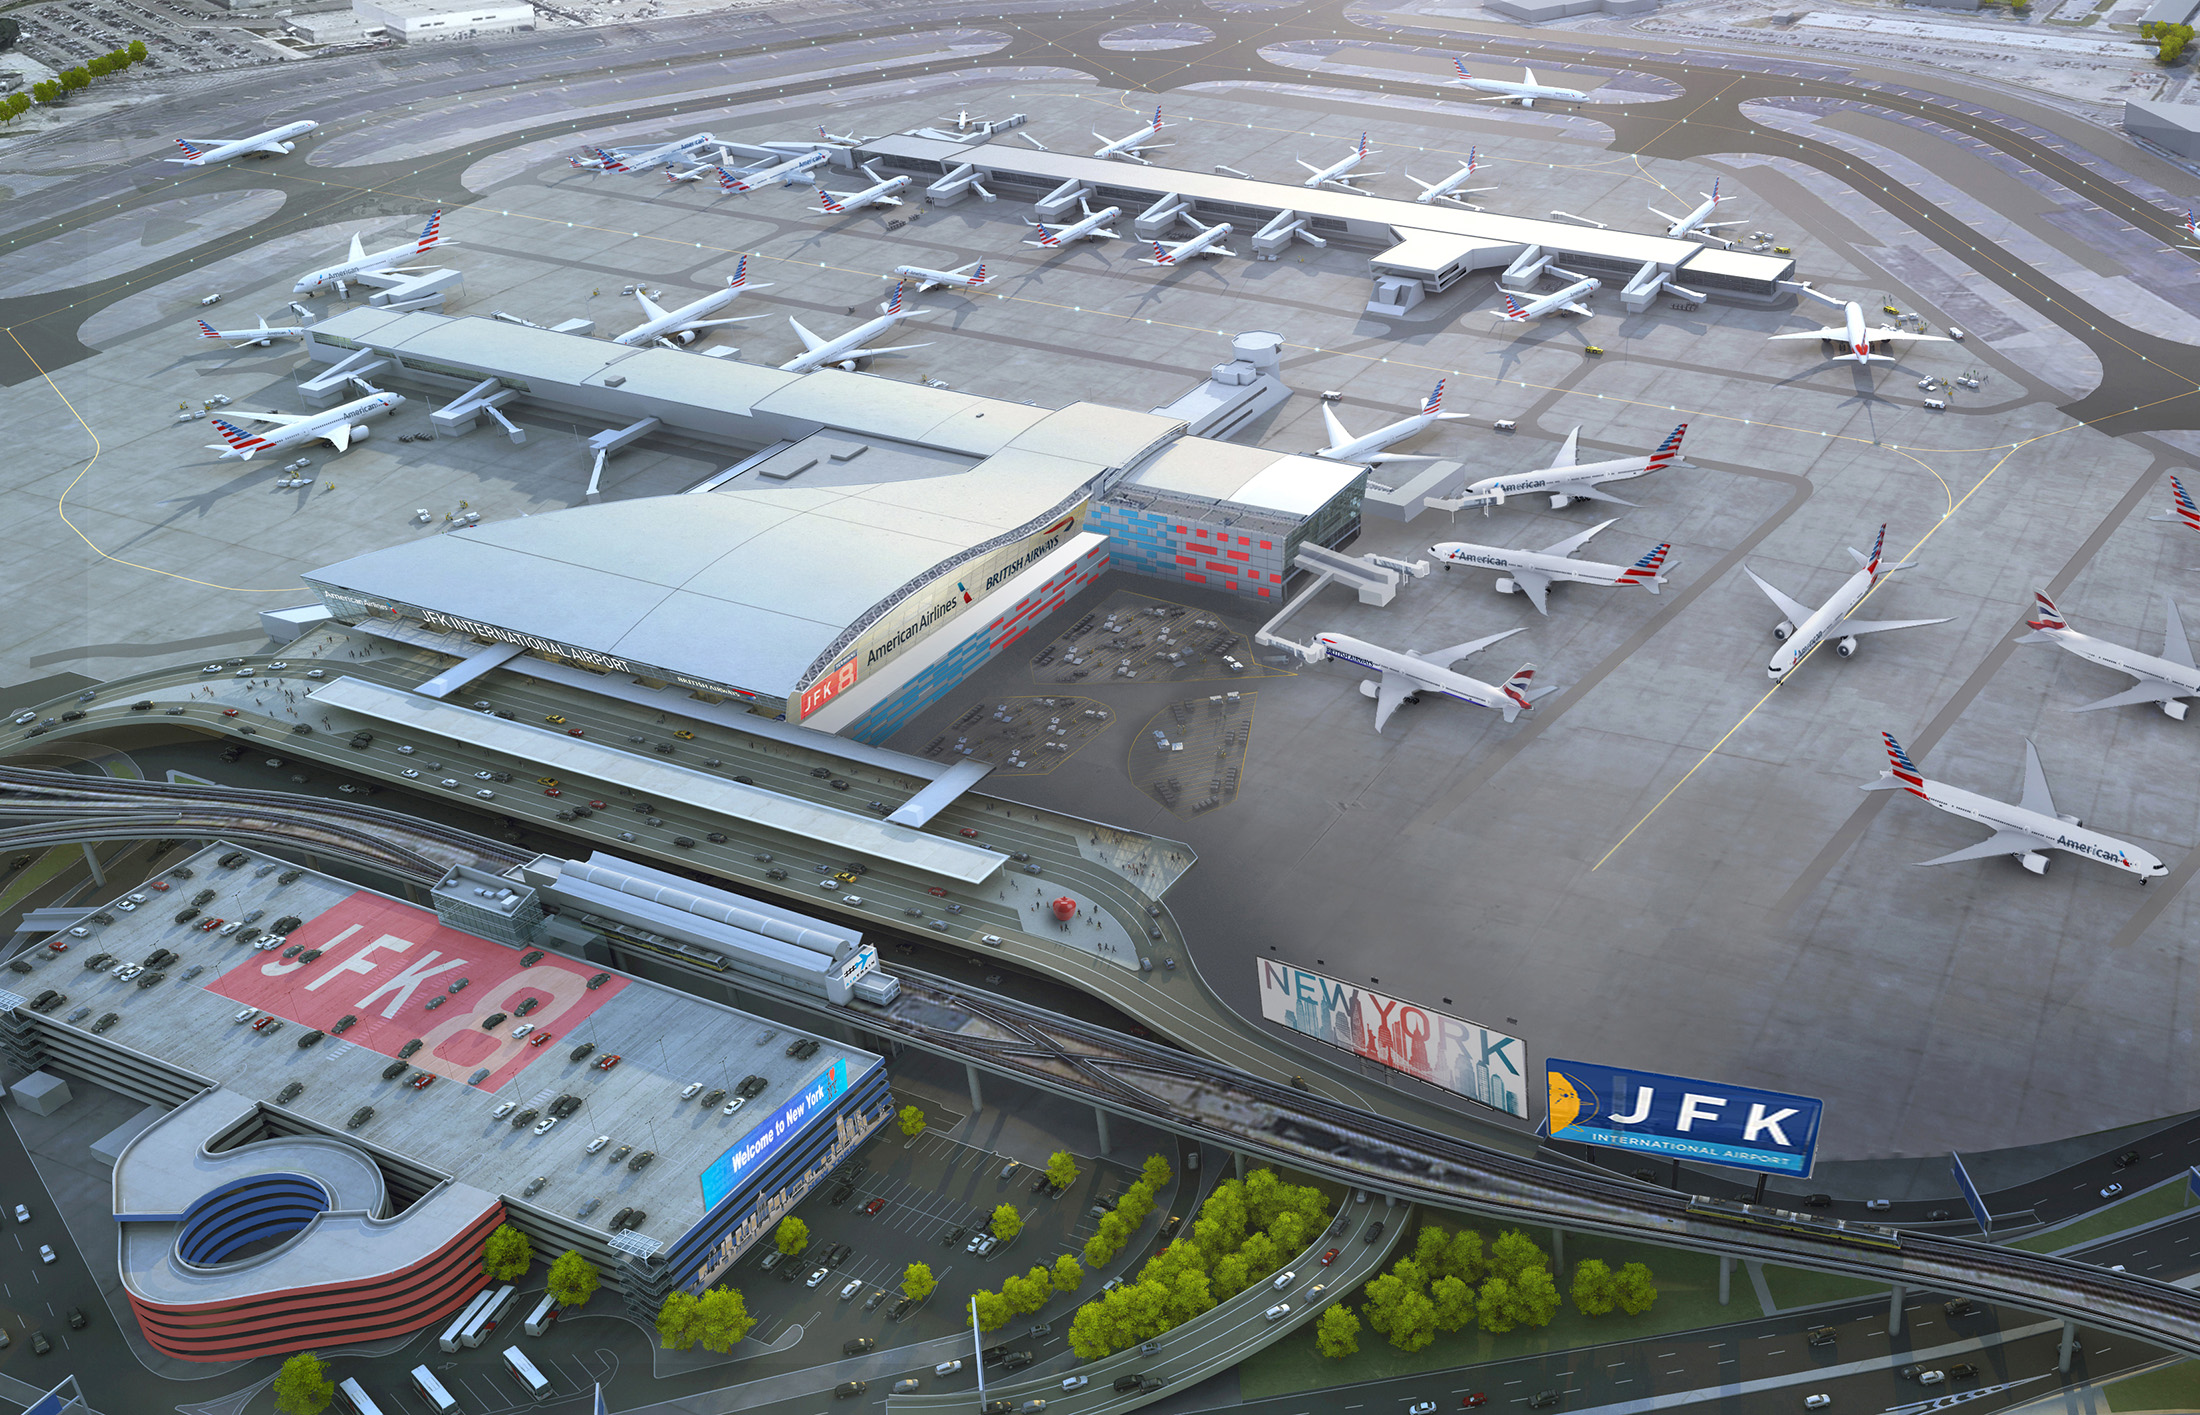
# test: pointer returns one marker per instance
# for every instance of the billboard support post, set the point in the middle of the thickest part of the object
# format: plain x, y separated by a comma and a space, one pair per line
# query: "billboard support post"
1726, 1277
2069, 1344
1971, 1195
1894, 1310
1759, 1197
2192, 1182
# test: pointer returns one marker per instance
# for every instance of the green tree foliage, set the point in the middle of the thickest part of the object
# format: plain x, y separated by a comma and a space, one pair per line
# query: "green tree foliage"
14, 106
1413, 1324
1634, 1289
792, 1235
1535, 1298
46, 91
678, 1320
2169, 40
137, 51
573, 1279
1137, 1203
1088, 1331
1288, 1232
1493, 1306
1432, 1251
1155, 1172
1454, 1301
1022, 1300
302, 1386
99, 66
721, 1319
1338, 1332
74, 79
911, 1120
1231, 1276
1061, 1169
1594, 1291
1007, 1223
506, 1254
993, 1311
917, 1281
1514, 1253
1220, 1227
1387, 1294
1260, 1255
1068, 1274
1467, 1262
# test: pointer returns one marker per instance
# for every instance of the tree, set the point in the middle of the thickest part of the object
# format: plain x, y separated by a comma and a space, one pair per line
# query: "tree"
1061, 1170
722, 1319
1513, 1254
1068, 1276
678, 1320
792, 1236
1220, 1227
1007, 1223
1231, 1276
1493, 1306
506, 1254
1634, 1289
573, 1279
1387, 1294
302, 1386
1432, 1251
1288, 1232
1189, 1293
993, 1311
73, 79
1260, 1255
46, 91
1535, 1298
1466, 1261
917, 1281
99, 66
1594, 1292
911, 1120
1454, 1303
1338, 1332
1156, 1172
1088, 1332
137, 51
1413, 1324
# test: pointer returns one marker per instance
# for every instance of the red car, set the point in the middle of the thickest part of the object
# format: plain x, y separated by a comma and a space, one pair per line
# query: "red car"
608, 1062
211, 924
968, 834
1329, 1257
874, 1206
538, 1039
596, 805
229, 712
1472, 1399
553, 791
937, 892
420, 1082
574, 732
161, 885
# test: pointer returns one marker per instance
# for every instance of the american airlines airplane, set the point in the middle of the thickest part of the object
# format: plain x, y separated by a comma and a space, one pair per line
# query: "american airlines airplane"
1805, 628
1695, 223
879, 193
2020, 831
1855, 339
1207, 242
205, 152
2187, 514
600, 161
2191, 228
962, 277
336, 426
1450, 188
1402, 677
1567, 301
1079, 230
641, 159
2166, 682
1532, 572
1568, 479
848, 348
1525, 94
1338, 173
1133, 147
1344, 447
673, 328
265, 335
382, 262
787, 173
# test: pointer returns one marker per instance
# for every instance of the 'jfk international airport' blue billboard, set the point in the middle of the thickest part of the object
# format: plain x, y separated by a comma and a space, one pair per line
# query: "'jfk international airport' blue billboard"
1679, 1118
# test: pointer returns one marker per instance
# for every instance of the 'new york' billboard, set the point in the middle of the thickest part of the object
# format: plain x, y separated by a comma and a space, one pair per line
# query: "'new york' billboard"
1463, 1057
1674, 1116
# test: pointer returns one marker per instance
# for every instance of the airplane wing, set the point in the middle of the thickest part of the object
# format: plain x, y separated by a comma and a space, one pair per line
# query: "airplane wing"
1574, 542
1878, 626
340, 436
649, 306
1569, 455
1590, 492
1391, 689
1795, 613
358, 252
1536, 586
275, 147
1338, 436
809, 341
1840, 335
2176, 647
1445, 658
890, 349
280, 419
2146, 690
2001, 842
2036, 795
1885, 335
1577, 307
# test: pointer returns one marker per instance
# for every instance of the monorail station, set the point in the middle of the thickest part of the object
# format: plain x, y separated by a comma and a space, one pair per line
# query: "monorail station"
362, 1089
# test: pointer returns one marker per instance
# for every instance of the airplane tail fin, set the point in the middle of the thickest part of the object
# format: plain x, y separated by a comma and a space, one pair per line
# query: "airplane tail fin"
1363, 144
977, 277
1473, 159
2183, 504
1871, 565
1668, 450
1644, 572
431, 232
192, 152
2045, 617
237, 437
827, 201
207, 330
1901, 770
1435, 401
1513, 310
894, 307
1714, 198
1462, 68
1162, 257
1157, 117
740, 276
1518, 699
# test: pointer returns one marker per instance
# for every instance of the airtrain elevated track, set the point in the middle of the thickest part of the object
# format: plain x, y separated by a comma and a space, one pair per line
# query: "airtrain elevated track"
1206, 1100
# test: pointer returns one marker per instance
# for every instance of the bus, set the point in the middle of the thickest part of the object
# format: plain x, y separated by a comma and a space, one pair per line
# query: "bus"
431, 1390
356, 1400
488, 1315
452, 1333
546, 1312
523, 1371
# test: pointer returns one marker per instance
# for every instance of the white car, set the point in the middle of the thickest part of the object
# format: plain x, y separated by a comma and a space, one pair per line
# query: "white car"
316, 673
522, 1030
25, 719
542, 1127
486, 794
947, 1368
1878, 1205
22, 1213
1421, 1407
1075, 1382
127, 905
598, 1143
1931, 1378
408, 771
851, 1289
45, 1253
851, 899
1817, 1402
450, 781
687, 1092
211, 300
1278, 1312
503, 1110
817, 1277
735, 1104
405, 751
1284, 1279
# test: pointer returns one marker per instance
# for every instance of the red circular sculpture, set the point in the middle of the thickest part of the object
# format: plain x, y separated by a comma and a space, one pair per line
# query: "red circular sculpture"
1065, 908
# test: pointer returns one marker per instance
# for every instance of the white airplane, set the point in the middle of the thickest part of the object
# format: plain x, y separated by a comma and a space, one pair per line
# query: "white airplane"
1567, 300
962, 277
1524, 94
1856, 340
381, 262
641, 159
2188, 514
1133, 147
2190, 228
2020, 831
2165, 682
1450, 188
879, 193
787, 173
1336, 174
1805, 628
1569, 479
1344, 447
337, 425
1403, 677
1532, 572
601, 162
675, 176
1207, 242
838, 139
1078, 230
205, 152
265, 335
673, 328
1696, 223
848, 348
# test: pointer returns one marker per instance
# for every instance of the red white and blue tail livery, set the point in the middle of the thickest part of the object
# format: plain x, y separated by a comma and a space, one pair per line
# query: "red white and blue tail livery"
1451, 188
2022, 832
1533, 572
2165, 680
1133, 147
2184, 511
338, 426
275, 142
1568, 479
1368, 450
1802, 629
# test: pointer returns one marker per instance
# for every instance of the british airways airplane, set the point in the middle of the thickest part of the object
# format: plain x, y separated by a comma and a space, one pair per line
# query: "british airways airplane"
2166, 681
1402, 677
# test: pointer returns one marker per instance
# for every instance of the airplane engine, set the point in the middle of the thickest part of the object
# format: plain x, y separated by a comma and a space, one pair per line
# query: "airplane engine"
2176, 710
1505, 584
1847, 647
1560, 502
288, 146
2034, 861
1369, 687
261, 343
1782, 629
360, 432
685, 336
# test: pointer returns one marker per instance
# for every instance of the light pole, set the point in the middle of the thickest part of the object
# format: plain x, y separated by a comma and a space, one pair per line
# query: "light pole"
977, 1349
